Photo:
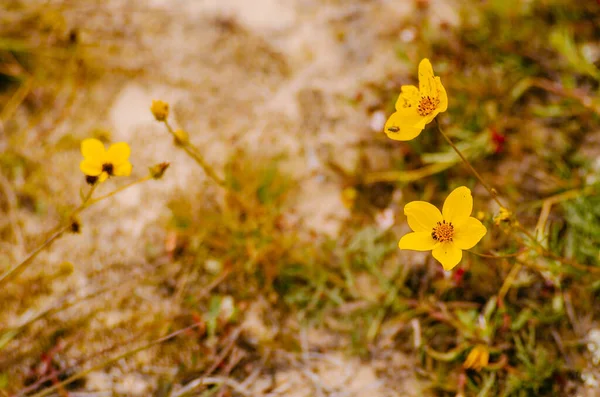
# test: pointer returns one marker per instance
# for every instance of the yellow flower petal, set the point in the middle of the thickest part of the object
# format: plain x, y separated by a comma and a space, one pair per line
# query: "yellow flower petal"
418, 241
484, 358
458, 206
422, 216
123, 169
409, 97
478, 358
442, 96
92, 149
90, 167
471, 358
103, 176
427, 119
427, 84
448, 254
401, 128
118, 153
468, 233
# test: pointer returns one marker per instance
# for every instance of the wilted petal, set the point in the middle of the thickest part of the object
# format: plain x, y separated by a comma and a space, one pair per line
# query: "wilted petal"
409, 97
478, 358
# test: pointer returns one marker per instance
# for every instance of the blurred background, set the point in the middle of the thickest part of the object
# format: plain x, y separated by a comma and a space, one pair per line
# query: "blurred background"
288, 280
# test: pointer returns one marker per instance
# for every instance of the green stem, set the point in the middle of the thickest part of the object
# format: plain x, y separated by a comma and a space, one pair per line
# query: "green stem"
494, 195
193, 153
545, 251
491, 190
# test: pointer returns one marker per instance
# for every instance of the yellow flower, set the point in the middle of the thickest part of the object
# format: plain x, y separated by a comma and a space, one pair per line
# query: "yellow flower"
416, 107
478, 358
349, 197
445, 233
502, 216
160, 110
100, 163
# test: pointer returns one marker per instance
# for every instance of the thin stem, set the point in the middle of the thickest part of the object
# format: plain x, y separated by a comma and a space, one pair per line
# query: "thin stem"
62, 228
547, 252
94, 201
77, 210
508, 281
113, 360
192, 151
526, 232
58, 232
89, 195
496, 256
492, 191
15, 270
517, 225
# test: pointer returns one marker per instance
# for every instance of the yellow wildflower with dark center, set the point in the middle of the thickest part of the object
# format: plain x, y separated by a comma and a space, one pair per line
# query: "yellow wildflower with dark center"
416, 107
445, 233
98, 163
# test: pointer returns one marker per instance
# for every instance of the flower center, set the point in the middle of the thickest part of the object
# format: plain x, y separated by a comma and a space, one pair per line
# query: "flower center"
427, 105
108, 168
443, 232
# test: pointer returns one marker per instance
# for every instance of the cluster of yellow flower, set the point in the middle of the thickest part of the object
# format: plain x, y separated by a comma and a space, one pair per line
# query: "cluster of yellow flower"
449, 232
452, 230
99, 164
446, 233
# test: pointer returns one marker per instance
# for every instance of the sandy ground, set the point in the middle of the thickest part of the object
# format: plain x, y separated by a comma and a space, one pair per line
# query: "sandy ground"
272, 76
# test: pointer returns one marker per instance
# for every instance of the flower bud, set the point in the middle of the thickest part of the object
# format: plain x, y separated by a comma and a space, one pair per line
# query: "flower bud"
91, 180
160, 110
157, 171
478, 358
75, 226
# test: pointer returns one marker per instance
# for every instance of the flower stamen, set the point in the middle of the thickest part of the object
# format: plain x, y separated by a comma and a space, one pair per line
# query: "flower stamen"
444, 231
427, 105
